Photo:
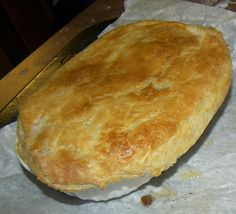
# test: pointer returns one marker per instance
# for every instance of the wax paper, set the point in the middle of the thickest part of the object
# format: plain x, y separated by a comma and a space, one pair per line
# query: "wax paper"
202, 181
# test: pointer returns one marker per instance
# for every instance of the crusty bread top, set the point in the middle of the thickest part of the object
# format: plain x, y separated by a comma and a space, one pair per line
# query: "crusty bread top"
129, 104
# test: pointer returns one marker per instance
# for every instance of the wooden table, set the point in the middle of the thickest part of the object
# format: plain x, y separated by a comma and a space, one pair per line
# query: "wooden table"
47, 57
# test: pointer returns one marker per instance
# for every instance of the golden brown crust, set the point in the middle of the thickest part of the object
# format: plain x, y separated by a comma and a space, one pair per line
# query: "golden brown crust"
131, 103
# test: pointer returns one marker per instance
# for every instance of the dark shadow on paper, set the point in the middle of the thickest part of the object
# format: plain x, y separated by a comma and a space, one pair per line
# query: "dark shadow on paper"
54, 194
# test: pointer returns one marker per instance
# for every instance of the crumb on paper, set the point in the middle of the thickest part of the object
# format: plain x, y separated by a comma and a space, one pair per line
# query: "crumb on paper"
189, 174
208, 143
166, 192
147, 200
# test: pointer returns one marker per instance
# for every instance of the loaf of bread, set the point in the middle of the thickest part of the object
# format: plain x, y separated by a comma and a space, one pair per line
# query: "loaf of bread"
127, 106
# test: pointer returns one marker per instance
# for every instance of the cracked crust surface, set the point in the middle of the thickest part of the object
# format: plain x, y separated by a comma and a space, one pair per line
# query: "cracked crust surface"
131, 103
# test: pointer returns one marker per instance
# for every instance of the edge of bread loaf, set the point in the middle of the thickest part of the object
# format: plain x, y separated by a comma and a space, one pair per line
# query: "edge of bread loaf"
167, 154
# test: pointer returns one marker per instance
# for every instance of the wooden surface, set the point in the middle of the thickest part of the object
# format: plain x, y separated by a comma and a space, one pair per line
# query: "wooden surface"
44, 57
27, 70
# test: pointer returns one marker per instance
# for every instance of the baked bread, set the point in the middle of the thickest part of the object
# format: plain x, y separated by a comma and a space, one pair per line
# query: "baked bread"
128, 105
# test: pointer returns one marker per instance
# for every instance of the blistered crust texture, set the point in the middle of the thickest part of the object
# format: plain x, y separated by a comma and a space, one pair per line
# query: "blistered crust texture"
131, 103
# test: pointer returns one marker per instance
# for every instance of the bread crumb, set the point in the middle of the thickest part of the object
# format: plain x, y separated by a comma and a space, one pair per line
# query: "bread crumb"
147, 200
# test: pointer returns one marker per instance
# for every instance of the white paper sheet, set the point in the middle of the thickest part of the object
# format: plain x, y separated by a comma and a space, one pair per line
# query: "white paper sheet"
203, 180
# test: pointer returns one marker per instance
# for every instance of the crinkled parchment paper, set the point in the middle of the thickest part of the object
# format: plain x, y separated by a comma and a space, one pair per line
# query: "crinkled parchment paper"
203, 180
